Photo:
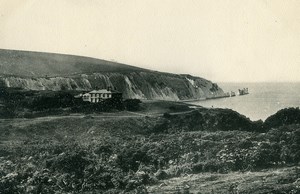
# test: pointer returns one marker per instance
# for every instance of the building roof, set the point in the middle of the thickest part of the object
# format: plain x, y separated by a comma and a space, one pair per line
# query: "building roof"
103, 91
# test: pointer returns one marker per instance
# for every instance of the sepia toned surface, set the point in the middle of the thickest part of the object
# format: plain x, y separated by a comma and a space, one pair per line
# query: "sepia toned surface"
226, 41
149, 96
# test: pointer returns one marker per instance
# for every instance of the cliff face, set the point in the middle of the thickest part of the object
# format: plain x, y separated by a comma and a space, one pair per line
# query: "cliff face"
48, 71
141, 85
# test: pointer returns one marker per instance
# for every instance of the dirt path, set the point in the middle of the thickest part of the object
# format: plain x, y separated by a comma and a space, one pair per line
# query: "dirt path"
124, 114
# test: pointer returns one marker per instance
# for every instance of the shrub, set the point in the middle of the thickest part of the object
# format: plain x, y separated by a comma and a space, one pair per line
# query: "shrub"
245, 144
132, 104
58, 100
285, 116
69, 163
130, 158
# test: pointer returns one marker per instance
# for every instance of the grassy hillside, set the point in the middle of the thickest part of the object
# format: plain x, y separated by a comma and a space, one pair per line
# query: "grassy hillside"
38, 64
49, 71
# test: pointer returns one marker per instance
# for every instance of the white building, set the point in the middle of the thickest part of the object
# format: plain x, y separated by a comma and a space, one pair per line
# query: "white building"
99, 95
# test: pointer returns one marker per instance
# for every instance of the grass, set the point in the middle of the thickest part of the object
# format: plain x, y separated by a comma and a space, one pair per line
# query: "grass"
38, 64
159, 154
157, 107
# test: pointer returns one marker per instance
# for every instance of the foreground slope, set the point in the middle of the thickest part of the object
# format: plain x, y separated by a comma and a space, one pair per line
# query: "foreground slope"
111, 153
45, 71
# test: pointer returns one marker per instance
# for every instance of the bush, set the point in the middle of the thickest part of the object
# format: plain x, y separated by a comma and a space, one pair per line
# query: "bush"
212, 120
132, 104
69, 163
286, 116
130, 158
102, 106
59, 100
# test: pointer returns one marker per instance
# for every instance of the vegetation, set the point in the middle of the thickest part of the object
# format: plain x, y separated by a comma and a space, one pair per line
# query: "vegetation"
22, 103
212, 120
27, 64
95, 154
115, 155
285, 116
132, 104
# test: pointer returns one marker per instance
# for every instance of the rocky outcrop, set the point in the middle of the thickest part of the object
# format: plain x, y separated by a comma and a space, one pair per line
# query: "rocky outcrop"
141, 85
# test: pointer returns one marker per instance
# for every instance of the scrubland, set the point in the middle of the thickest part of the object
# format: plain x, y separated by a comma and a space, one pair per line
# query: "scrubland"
200, 151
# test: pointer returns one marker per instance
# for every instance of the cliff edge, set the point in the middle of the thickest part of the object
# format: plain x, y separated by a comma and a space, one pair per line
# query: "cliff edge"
47, 71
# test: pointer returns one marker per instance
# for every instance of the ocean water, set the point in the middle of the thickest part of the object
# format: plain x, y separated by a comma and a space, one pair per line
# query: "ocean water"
263, 100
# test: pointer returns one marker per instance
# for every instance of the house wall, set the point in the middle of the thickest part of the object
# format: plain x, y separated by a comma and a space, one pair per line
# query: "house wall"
96, 97
86, 98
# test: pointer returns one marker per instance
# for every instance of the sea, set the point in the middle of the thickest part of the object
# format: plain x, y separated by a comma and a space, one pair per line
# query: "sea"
263, 100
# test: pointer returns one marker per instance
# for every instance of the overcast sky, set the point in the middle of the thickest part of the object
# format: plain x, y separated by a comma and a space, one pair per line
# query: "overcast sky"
221, 40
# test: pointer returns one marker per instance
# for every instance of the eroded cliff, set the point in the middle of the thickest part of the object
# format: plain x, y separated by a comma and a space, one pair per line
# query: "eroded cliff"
141, 85
47, 71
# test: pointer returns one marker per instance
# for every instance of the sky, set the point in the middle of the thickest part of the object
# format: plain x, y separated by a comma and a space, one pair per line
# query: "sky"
221, 40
